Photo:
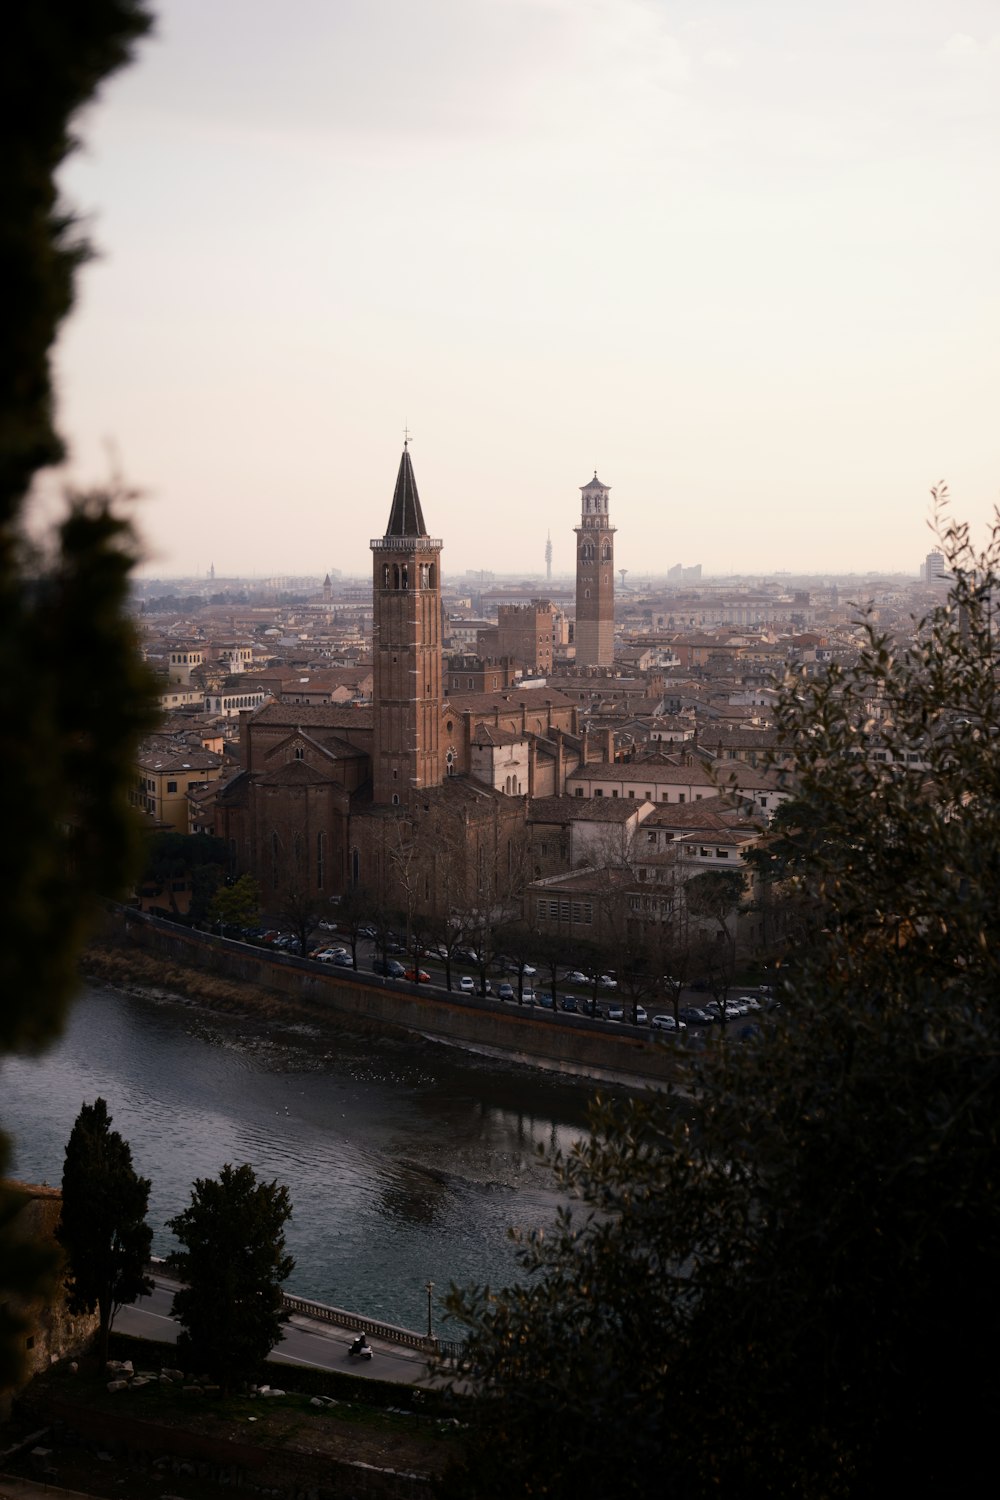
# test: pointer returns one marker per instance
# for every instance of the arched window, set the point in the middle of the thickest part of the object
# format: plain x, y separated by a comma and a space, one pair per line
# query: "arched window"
395, 799
405, 576
606, 552
395, 575
385, 575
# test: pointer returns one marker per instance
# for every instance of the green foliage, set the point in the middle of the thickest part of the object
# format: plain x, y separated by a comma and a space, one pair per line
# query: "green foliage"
783, 1281
715, 894
236, 905
73, 695
103, 1228
233, 1264
197, 858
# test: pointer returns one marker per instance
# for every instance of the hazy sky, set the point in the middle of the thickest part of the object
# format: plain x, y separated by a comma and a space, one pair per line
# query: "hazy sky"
740, 256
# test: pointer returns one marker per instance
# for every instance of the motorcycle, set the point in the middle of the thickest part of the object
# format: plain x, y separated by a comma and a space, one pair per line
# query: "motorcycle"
360, 1349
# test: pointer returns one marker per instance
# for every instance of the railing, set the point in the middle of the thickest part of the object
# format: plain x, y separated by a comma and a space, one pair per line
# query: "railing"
358, 1323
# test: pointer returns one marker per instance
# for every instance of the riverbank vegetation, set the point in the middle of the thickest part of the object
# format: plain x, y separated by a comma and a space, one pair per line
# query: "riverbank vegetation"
792, 1288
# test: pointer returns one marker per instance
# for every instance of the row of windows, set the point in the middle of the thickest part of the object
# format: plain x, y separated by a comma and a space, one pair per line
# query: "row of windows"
647, 796
588, 552
397, 575
566, 911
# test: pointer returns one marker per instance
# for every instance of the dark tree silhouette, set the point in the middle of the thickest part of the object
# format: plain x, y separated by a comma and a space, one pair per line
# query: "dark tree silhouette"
233, 1263
103, 1228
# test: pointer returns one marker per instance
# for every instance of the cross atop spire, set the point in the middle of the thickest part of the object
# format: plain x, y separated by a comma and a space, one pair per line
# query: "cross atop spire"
406, 518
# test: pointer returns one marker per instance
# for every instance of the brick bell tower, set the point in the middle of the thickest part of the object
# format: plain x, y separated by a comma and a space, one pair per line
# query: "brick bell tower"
407, 697
595, 578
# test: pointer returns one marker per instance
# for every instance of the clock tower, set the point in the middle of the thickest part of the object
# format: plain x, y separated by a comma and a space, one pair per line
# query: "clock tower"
595, 578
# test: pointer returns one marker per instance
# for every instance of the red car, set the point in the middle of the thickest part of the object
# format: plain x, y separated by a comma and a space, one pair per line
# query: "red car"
417, 976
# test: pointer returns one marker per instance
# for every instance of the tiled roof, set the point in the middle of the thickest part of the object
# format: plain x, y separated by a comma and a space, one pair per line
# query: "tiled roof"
583, 809
644, 770
313, 716
509, 700
489, 734
293, 773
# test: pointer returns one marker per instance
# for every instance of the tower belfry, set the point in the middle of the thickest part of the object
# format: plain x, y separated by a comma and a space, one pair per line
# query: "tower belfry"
406, 693
595, 578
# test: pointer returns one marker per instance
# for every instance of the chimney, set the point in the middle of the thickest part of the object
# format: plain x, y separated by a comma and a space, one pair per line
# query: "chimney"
609, 746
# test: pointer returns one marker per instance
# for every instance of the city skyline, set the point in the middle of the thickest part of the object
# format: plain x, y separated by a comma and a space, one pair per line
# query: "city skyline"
740, 264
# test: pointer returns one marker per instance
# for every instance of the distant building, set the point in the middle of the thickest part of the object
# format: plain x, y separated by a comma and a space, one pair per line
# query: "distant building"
934, 569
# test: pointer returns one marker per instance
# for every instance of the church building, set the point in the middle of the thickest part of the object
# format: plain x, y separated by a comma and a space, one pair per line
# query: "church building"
420, 799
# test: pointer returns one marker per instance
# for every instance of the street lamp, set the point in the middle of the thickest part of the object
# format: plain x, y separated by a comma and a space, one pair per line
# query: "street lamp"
430, 1326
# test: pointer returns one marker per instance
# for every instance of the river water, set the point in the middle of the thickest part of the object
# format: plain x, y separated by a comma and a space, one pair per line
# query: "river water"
405, 1161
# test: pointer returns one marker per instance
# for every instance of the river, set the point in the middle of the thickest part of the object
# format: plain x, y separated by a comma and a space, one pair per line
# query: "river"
406, 1161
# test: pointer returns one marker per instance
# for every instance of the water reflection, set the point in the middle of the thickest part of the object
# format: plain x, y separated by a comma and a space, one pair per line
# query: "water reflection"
406, 1162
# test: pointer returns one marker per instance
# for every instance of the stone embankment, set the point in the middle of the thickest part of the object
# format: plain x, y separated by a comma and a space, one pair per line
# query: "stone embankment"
229, 975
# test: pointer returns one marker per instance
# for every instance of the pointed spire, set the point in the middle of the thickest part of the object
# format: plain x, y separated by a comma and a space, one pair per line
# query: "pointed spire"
406, 518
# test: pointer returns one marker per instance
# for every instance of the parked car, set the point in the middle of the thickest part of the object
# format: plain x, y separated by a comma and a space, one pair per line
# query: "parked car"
390, 967
568, 1002
616, 1012
505, 990
667, 1023
327, 926
544, 998
467, 983
529, 997
592, 1008
366, 932
343, 960
577, 977
607, 982
695, 1016
417, 976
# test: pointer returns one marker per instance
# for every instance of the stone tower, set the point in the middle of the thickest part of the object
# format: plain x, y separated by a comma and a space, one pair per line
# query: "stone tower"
407, 696
595, 578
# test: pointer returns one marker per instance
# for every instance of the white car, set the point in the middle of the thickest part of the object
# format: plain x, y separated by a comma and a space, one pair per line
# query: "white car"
467, 983
667, 1023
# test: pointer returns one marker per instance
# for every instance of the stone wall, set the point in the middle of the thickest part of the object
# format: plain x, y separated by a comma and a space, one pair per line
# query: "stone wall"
564, 1043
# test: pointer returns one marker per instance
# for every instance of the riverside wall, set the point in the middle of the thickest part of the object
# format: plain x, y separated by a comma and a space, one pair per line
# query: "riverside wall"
561, 1042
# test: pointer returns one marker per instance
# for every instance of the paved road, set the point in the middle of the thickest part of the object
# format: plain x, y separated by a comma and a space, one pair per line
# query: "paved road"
306, 1341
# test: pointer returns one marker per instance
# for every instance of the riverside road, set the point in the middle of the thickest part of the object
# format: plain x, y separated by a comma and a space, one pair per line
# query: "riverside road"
305, 1341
